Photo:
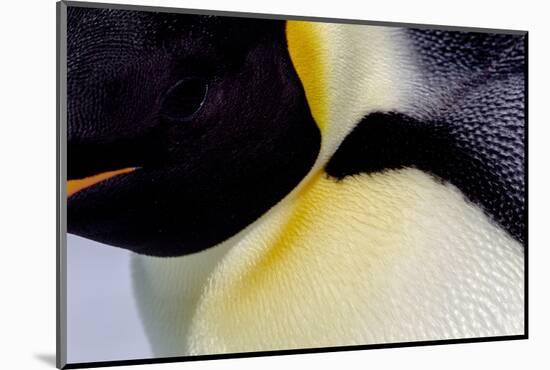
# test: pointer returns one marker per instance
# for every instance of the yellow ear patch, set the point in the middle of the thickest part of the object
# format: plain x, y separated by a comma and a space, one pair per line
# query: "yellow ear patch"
305, 47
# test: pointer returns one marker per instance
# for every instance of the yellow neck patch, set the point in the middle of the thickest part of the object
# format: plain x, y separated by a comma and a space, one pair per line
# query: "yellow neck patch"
305, 48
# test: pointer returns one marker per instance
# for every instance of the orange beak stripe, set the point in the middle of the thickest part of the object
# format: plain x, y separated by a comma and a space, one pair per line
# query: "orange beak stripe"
76, 185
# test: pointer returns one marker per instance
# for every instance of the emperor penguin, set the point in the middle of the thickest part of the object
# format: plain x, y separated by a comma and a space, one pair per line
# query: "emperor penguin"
300, 184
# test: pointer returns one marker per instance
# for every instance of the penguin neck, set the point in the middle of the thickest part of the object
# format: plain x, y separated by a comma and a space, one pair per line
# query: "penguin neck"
344, 83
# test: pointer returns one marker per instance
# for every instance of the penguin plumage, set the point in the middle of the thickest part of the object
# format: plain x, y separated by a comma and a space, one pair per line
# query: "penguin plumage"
323, 185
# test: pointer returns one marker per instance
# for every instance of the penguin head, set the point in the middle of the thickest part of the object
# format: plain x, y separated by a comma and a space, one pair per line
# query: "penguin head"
182, 129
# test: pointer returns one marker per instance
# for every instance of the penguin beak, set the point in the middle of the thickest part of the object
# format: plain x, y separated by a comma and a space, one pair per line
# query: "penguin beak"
74, 186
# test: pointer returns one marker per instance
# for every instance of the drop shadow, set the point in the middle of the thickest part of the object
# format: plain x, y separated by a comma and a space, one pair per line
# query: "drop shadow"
47, 358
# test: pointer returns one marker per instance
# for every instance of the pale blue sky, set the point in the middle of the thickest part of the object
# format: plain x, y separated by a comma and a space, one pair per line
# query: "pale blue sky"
102, 318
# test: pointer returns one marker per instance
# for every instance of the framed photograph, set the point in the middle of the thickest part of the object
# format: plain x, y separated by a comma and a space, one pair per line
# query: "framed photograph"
234, 184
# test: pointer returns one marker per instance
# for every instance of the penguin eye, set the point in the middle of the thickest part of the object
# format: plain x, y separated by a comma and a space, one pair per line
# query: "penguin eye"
184, 99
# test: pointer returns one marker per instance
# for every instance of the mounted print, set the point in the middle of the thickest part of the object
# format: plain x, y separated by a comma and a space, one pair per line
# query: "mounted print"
239, 184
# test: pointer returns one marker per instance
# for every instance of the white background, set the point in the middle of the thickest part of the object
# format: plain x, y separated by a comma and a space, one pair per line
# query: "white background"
27, 182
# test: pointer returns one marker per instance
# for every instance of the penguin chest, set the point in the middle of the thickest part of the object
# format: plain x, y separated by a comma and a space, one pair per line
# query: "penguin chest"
389, 257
